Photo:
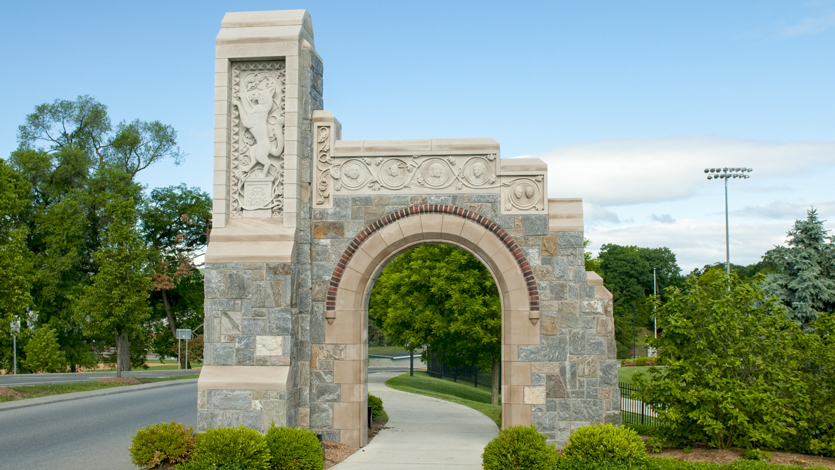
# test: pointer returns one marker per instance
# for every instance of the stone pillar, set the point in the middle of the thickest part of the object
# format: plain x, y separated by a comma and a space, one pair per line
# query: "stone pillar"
268, 81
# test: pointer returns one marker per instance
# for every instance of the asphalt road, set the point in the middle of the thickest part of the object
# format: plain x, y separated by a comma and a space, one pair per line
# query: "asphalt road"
43, 379
90, 433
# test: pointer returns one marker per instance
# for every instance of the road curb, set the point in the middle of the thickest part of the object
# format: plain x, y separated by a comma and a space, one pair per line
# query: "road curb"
13, 405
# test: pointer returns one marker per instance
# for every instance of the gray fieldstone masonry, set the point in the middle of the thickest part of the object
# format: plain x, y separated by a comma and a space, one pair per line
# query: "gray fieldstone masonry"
303, 222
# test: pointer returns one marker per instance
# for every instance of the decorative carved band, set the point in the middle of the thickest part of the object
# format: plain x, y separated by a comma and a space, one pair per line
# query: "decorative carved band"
257, 140
506, 239
420, 172
323, 164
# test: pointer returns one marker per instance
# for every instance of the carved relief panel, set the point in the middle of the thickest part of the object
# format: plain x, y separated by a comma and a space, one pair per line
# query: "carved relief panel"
257, 140
523, 194
392, 174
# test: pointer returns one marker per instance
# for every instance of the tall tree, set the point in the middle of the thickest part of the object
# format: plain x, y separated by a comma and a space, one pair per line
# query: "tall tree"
115, 304
176, 222
16, 273
627, 273
444, 298
75, 162
805, 277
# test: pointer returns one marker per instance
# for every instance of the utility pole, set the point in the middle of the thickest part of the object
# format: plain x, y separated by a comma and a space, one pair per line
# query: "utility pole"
15, 327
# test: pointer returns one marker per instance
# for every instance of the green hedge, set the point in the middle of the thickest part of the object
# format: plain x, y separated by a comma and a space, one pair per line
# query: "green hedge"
294, 449
668, 464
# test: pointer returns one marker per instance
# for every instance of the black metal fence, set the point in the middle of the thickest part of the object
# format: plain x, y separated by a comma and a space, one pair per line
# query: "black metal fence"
439, 369
632, 409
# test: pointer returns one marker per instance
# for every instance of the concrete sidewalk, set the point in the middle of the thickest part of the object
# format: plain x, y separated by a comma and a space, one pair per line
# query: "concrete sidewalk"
424, 433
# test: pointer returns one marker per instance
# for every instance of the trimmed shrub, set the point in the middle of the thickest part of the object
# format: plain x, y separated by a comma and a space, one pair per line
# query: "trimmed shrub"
605, 442
224, 446
161, 443
377, 411
641, 361
294, 449
519, 447
208, 466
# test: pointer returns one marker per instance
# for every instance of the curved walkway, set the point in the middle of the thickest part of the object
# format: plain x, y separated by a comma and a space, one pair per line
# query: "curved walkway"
424, 433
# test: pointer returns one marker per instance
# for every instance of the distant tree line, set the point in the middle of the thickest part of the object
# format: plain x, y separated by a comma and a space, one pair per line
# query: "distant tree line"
90, 260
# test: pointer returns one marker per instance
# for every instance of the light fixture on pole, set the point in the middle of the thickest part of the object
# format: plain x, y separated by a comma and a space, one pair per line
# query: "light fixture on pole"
726, 174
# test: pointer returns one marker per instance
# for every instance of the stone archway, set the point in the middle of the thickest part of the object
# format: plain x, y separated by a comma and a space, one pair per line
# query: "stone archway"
300, 224
351, 283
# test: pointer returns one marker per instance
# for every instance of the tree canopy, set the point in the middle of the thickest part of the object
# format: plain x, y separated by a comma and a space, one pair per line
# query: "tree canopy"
443, 298
805, 270
61, 192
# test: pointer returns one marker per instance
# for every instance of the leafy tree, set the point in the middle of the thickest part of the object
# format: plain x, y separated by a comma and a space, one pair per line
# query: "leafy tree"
115, 304
43, 353
139, 144
442, 297
817, 430
75, 162
592, 263
805, 277
176, 222
15, 260
627, 273
745, 273
732, 366
84, 125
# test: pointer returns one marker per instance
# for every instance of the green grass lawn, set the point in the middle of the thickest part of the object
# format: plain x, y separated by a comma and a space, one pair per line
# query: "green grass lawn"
462, 393
35, 391
386, 350
625, 374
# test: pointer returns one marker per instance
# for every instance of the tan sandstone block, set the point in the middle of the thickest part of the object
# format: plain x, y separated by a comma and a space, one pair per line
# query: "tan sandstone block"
346, 415
516, 373
473, 232
535, 395
352, 281
345, 329
411, 229
431, 224
374, 245
452, 225
347, 372
391, 233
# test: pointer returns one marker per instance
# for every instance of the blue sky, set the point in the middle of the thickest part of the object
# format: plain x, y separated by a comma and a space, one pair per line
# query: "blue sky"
627, 101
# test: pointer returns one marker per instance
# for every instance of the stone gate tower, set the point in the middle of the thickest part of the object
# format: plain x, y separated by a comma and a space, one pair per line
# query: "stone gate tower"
304, 221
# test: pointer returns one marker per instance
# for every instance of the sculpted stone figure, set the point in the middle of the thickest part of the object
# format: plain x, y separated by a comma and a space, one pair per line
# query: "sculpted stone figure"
478, 171
255, 109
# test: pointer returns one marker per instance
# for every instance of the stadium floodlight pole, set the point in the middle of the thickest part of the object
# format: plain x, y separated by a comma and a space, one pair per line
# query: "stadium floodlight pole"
726, 174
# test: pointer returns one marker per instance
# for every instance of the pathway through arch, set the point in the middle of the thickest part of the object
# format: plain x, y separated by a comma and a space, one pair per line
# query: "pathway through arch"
424, 433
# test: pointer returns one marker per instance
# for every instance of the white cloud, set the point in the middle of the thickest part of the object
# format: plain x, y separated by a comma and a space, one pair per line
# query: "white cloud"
664, 218
642, 170
695, 242
785, 210
593, 213
810, 25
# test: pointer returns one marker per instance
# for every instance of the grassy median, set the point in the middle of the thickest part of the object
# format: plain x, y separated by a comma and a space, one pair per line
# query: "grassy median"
34, 391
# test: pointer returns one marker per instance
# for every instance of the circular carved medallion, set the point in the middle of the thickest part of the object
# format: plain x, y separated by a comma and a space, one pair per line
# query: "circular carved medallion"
477, 171
393, 174
353, 175
435, 173
525, 193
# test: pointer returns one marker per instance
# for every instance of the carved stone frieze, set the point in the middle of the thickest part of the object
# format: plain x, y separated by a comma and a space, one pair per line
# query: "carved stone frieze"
257, 140
418, 173
323, 165
523, 194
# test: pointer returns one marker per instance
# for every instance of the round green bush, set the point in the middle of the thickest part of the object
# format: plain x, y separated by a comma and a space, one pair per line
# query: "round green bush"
376, 404
519, 447
294, 449
223, 446
605, 442
161, 443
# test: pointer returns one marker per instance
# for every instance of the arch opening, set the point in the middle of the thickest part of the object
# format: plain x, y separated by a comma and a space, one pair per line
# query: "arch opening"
352, 280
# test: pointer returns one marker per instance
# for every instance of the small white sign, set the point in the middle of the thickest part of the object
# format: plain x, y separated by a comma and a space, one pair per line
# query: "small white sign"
15, 326
183, 333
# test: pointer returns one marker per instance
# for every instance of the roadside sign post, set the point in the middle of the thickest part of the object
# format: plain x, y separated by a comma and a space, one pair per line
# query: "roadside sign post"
15, 326
182, 334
